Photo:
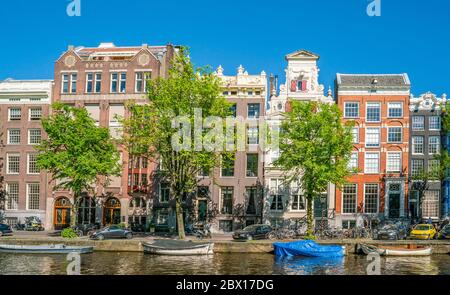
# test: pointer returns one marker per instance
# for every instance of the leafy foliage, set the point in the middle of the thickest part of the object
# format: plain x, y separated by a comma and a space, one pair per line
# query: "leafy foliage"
69, 233
149, 128
77, 153
315, 148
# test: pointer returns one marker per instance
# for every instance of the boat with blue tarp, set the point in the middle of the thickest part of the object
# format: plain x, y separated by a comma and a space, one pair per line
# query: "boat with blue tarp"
308, 248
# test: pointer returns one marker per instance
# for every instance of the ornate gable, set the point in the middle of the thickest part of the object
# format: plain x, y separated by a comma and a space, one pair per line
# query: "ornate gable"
302, 54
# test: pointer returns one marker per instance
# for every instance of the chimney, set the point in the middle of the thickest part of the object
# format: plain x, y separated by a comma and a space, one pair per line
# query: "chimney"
271, 85
70, 48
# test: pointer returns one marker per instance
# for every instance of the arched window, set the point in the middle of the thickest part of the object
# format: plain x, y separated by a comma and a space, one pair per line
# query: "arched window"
86, 210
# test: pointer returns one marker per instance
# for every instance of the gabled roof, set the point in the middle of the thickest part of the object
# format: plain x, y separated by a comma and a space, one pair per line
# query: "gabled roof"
302, 54
373, 80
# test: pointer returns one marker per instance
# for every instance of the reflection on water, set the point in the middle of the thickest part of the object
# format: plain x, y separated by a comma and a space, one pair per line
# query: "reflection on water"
225, 264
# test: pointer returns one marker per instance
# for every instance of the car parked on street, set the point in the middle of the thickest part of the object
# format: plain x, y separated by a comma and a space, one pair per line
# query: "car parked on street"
444, 233
5, 230
252, 232
390, 231
111, 232
423, 232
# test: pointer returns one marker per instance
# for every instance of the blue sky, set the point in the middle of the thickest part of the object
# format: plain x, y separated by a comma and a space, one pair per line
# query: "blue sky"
410, 36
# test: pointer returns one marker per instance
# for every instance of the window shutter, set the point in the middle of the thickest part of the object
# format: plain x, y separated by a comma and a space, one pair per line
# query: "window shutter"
304, 85
294, 85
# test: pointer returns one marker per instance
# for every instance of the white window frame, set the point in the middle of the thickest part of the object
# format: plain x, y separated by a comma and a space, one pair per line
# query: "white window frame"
414, 143
29, 135
413, 171
9, 136
357, 160
160, 193
92, 81
63, 80
439, 123
378, 198
14, 108
438, 144
401, 134
28, 164
221, 206
72, 75
28, 195
365, 162
345, 109
367, 107
356, 199
379, 137
355, 135
389, 108
98, 80
8, 163
8, 189
422, 123
30, 110
277, 191
388, 164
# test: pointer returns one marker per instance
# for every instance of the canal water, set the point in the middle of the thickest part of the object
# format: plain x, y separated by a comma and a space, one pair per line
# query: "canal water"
126, 263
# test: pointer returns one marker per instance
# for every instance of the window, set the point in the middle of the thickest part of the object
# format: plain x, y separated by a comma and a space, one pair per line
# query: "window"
430, 205
434, 123
252, 194
35, 114
297, 199
32, 164
372, 137
417, 144
418, 123
351, 110
226, 225
14, 114
433, 145
94, 112
355, 135
276, 194
226, 194
12, 192
123, 82
433, 168
371, 198
227, 167
416, 167
395, 134
116, 111
164, 192
141, 81
353, 163
349, 198
32, 196
394, 162
144, 179
73, 83
98, 83
395, 110
253, 110
13, 163
89, 83
65, 83
233, 110
252, 165
34, 136
163, 218
372, 163
373, 112
114, 81
13, 136
252, 135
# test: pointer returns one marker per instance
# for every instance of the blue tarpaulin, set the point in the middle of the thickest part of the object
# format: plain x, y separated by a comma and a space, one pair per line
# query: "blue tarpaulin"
308, 248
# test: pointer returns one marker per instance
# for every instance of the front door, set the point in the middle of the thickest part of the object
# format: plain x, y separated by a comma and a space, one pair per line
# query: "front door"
394, 205
201, 210
62, 218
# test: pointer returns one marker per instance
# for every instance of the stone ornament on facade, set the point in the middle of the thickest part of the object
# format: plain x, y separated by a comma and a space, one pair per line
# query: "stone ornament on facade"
144, 60
70, 61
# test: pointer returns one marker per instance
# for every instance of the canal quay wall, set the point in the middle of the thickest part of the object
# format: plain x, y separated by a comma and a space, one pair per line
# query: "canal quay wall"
135, 245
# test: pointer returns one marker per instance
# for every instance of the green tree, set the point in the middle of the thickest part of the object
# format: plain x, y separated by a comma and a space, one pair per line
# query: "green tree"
149, 129
77, 153
315, 148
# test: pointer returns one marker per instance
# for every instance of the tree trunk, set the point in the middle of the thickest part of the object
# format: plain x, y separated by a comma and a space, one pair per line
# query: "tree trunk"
73, 219
180, 220
309, 215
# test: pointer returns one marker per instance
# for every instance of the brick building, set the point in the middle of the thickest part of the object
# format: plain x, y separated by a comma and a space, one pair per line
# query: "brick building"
102, 79
378, 105
22, 104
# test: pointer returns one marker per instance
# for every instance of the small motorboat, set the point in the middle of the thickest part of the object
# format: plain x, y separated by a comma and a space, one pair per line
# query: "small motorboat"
395, 250
178, 248
45, 249
308, 248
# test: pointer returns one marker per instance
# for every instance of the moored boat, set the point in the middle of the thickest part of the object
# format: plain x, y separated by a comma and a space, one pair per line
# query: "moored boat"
45, 249
308, 248
396, 250
178, 248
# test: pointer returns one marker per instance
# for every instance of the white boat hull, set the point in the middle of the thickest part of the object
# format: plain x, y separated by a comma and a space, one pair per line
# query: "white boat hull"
415, 252
206, 249
45, 249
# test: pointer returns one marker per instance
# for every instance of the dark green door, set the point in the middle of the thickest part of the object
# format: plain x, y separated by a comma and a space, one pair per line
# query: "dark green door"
394, 205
